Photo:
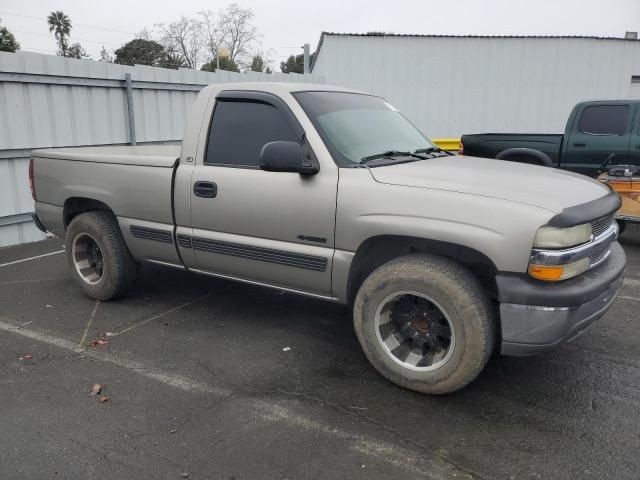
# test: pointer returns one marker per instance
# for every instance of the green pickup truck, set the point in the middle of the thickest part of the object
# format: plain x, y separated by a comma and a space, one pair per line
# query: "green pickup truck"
597, 132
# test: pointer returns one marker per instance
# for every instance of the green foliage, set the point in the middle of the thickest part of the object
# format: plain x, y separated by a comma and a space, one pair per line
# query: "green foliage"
8, 42
60, 24
172, 60
257, 64
76, 51
140, 52
295, 63
225, 64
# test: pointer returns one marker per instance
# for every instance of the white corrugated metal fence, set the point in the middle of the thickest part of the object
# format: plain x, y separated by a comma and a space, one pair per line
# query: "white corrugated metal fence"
49, 101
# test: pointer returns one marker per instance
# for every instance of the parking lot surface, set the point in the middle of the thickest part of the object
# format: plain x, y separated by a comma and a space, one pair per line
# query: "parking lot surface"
212, 379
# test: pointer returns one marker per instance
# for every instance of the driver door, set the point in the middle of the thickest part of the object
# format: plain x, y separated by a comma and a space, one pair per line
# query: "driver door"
274, 228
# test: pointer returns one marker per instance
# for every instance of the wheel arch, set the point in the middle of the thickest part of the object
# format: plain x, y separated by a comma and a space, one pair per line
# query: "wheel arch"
540, 158
378, 250
74, 206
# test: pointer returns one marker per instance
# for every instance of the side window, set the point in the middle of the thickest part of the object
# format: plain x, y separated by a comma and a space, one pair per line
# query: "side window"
604, 120
239, 130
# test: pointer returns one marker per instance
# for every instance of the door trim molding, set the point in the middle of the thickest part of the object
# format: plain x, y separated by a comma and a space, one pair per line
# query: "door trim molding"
280, 257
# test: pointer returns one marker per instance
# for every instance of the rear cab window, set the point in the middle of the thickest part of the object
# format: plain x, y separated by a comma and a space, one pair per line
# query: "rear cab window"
604, 120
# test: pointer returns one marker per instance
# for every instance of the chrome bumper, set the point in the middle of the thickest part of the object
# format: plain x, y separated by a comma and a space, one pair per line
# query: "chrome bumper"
535, 316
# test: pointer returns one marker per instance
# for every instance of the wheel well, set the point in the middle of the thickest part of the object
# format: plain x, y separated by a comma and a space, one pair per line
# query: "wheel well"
377, 251
526, 155
76, 205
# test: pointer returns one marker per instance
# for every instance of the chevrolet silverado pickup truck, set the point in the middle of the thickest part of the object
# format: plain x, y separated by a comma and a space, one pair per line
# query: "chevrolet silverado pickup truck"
332, 193
597, 133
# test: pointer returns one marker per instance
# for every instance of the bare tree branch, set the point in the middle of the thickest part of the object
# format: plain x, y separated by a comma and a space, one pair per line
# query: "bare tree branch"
186, 37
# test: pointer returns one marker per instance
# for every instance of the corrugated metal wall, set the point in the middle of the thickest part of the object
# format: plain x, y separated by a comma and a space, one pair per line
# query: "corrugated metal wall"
449, 86
49, 101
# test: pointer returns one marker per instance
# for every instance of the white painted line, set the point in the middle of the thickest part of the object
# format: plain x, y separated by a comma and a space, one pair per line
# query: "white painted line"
86, 329
624, 297
31, 258
631, 281
177, 381
160, 315
14, 282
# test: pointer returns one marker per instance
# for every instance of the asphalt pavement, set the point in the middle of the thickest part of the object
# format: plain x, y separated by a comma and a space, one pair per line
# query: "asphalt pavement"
208, 379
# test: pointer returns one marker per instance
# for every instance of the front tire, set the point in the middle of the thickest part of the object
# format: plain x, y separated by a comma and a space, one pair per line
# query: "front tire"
425, 323
98, 258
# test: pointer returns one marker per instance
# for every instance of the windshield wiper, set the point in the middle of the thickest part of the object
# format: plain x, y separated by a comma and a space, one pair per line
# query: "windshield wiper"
432, 150
391, 154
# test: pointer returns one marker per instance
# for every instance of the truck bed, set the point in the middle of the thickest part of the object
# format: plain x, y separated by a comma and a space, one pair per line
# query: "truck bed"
491, 144
142, 155
133, 181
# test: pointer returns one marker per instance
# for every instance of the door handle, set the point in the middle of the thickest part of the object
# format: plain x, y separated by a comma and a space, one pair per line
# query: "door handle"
579, 144
205, 189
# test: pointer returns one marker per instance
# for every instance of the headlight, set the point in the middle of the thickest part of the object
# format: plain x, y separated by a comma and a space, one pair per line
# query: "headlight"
551, 237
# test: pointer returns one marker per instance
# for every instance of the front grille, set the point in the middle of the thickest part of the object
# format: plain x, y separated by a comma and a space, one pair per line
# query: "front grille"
598, 256
599, 225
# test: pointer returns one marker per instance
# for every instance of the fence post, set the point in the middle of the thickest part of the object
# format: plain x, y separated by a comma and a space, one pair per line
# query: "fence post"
306, 58
130, 112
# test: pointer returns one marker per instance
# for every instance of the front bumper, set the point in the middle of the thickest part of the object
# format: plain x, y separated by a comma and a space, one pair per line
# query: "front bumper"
535, 316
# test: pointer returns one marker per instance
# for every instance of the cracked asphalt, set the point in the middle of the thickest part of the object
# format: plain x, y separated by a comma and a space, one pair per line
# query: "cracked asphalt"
212, 379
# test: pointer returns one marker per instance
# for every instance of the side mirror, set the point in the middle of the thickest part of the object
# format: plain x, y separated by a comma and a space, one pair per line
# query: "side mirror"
286, 157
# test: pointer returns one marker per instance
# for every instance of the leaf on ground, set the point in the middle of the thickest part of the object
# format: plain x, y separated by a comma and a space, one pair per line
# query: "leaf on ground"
103, 398
96, 388
99, 341
28, 357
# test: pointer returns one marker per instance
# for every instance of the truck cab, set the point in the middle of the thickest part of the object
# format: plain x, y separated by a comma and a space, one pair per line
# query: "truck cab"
596, 132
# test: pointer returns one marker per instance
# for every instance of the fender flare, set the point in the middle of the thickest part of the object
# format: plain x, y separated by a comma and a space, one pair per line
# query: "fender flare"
541, 157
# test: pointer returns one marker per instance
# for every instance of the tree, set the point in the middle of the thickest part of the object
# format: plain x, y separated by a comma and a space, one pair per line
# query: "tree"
213, 32
105, 56
75, 50
295, 63
240, 34
172, 60
60, 24
257, 63
186, 37
8, 42
225, 64
141, 52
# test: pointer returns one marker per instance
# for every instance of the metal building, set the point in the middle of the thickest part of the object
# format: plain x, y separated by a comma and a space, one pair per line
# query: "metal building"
451, 85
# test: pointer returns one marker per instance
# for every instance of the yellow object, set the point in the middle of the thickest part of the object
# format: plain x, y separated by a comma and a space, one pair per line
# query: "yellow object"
629, 190
555, 273
449, 144
542, 272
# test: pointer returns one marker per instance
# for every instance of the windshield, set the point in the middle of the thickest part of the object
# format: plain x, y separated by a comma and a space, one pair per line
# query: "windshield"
356, 126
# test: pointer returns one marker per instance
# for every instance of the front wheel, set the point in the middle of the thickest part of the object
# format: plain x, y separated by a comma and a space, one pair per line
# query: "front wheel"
98, 258
425, 323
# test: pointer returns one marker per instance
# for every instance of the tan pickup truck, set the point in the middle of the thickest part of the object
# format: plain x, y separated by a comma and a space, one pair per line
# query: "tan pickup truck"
333, 194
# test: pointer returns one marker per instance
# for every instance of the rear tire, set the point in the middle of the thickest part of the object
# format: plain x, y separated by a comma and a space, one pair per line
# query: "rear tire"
98, 258
432, 308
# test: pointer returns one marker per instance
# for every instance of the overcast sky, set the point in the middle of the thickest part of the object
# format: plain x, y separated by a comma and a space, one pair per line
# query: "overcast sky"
287, 24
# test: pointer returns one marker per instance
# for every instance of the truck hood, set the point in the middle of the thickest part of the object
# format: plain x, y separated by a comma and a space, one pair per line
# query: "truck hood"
542, 187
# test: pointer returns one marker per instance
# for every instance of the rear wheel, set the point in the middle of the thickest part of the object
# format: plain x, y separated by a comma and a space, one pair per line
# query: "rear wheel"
425, 323
98, 258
